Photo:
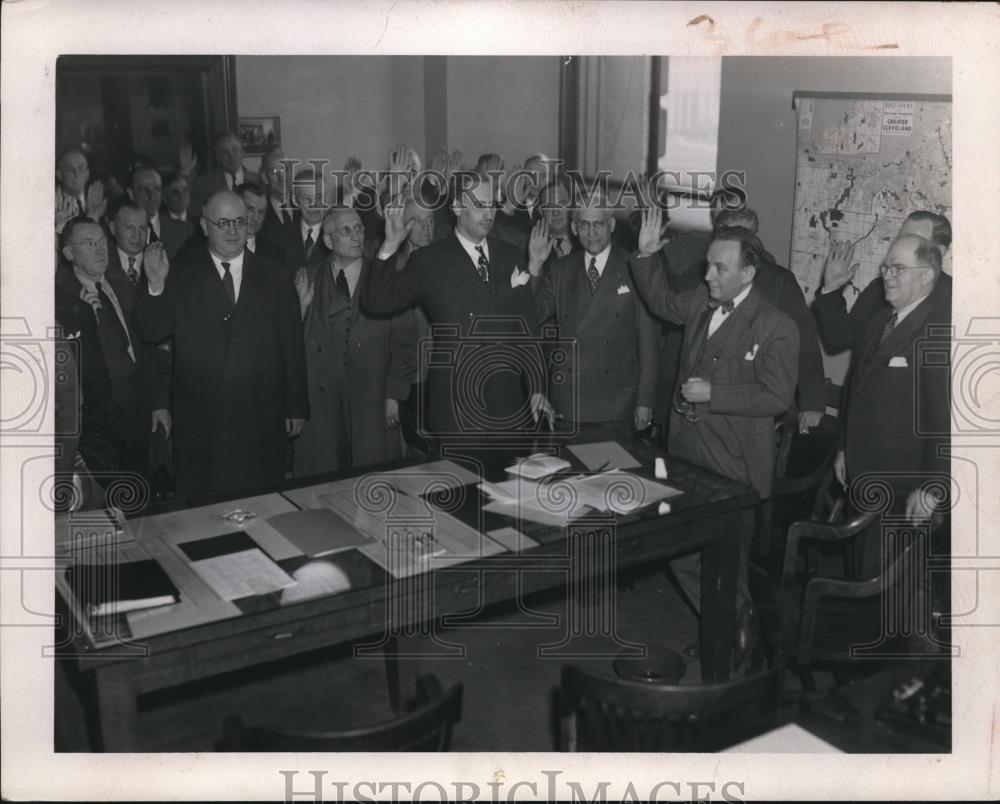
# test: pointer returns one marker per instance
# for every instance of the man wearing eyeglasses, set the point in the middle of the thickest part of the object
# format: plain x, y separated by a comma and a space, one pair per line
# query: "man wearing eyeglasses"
239, 365
145, 189
897, 401
229, 173
591, 297
359, 367
278, 223
738, 370
305, 244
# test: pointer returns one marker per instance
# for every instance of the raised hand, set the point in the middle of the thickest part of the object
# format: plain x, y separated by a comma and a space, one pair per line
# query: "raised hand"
396, 228
539, 247
156, 265
65, 211
97, 204
838, 268
651, 238
187, 160
494, 165
304, 289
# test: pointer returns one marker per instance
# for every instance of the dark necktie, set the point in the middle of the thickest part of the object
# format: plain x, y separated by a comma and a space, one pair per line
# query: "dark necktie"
309, 243
342, 286
227, 283
890, 325
108, 320
131, 274
483, 265
592, 274
153, 237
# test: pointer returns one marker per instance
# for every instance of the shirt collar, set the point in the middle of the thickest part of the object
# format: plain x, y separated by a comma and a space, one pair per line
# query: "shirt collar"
89, 283
739, 297
125, 258
600, 258
235, 264
471, 248
306, 228
178, 216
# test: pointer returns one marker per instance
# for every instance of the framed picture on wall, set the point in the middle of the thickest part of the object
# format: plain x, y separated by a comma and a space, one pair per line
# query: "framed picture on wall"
259, 134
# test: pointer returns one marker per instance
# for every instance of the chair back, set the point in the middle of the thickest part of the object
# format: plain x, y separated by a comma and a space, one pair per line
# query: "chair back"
426, 728
607, 713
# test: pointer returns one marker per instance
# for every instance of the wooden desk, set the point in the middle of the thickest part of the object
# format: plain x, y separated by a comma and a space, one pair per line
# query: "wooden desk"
707, 517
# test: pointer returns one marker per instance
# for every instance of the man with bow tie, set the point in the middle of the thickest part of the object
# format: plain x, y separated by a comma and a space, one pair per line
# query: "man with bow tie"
738, 370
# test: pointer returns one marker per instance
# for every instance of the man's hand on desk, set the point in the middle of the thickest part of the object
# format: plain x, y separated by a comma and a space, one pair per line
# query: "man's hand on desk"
293, 427
697, 390
540, 407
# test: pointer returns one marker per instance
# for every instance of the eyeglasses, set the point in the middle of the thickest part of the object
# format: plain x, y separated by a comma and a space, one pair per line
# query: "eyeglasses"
686, 409
895, 268
347, 231
229, 224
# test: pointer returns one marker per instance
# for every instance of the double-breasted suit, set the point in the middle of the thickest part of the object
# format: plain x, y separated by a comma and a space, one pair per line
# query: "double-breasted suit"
354, 362
485, 360
897, 409
239, 372
613, 367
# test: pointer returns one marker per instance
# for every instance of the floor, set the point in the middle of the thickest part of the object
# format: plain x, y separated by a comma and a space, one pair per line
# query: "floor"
509, 691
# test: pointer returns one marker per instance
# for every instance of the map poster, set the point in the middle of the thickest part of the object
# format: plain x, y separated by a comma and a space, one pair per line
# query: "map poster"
861, 167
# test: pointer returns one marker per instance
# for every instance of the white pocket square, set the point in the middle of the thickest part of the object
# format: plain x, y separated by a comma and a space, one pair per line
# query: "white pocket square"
519, 277
752, 353
898, 362
623, 289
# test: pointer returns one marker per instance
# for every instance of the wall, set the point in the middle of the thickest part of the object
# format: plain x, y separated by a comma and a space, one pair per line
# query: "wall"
503, 104
757, 122
757, 129
334, 107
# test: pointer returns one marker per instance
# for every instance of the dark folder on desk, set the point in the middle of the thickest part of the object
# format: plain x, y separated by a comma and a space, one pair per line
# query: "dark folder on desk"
317, 532
104, 589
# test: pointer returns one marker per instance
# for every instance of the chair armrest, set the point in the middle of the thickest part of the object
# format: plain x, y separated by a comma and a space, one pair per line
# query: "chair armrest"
818, 531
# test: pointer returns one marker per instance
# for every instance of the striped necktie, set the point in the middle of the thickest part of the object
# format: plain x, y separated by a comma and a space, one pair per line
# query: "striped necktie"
483, 265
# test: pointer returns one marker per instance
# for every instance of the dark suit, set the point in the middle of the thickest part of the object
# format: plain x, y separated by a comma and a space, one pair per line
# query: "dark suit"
173, 234
617, 340
295, 252
897, 417
238, 372
208, 184
751, 361
487, 321
276, 231
354, 363
841, 329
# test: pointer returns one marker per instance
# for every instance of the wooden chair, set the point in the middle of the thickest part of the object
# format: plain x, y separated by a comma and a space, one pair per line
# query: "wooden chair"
427, 728
602, 712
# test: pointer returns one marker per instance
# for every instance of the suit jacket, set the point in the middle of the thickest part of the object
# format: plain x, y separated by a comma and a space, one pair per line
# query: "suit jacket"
482, 331
897, 416
751, 362
840, 329
206, 185
173, 234
276, 231
613, 368
354, 362
295, 253
239, 372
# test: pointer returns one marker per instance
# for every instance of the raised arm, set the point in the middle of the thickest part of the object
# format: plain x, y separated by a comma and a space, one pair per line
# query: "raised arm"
153, 313
650, 274
539, 247
388, 290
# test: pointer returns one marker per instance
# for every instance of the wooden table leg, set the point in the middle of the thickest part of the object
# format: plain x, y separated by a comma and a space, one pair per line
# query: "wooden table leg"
117, 709
719, 565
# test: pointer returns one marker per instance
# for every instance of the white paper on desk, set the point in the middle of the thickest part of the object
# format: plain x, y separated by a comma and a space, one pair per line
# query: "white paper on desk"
621, 492
242, 574
435, 476
604, 454
411, 536
554, 503
787, 739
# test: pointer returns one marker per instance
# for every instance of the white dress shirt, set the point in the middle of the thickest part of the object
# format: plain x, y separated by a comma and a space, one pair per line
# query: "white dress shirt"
718, 316
178, 216
601, 260
901, 314
154, 226
126, 257
316, 229
471, 248
234, 180
235, 270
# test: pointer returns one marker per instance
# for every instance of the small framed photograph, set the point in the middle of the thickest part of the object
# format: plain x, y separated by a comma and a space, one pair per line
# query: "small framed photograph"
259, 134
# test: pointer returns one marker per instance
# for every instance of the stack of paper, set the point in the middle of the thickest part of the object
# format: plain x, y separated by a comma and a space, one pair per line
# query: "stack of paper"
537, 466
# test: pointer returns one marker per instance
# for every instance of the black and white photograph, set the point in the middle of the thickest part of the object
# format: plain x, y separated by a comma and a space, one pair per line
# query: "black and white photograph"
579, 411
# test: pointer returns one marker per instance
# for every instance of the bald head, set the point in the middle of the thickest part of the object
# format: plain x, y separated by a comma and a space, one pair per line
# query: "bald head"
225, 224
